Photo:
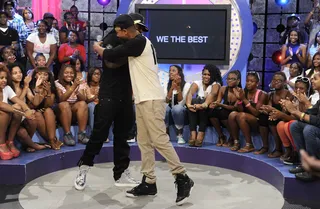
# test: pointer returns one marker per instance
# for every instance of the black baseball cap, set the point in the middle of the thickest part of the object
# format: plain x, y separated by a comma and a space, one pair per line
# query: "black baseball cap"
123, 21
48, 15
139, 20
294, 16
7, 3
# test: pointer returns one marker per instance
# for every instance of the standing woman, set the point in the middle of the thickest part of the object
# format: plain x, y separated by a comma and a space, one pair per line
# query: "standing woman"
72, 49
293, 52
28, 20
41, 42
177, 90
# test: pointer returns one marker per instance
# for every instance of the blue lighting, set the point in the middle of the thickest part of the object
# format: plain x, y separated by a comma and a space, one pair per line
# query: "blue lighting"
282, 2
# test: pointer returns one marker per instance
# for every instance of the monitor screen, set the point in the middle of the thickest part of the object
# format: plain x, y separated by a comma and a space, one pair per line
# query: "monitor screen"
191, 34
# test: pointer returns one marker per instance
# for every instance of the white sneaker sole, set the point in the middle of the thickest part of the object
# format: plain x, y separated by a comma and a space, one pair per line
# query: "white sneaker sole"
79, 188
125, 185
185, 199
131, 195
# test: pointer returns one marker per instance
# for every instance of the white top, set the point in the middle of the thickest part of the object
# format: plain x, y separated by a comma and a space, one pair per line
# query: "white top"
144, 76
314, 98
40, 47
184, 94
201, 92
313, 50
8, 93
293, 80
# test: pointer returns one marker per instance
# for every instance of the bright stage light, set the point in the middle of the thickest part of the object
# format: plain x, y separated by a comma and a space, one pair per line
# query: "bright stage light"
282, 2
104, 2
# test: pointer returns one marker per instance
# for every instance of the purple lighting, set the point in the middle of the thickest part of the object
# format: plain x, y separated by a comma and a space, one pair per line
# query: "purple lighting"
104, 2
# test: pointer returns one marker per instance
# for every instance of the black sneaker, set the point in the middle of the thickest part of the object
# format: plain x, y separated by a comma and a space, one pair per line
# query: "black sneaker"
305, 176
143, 189
184, 187
296, 170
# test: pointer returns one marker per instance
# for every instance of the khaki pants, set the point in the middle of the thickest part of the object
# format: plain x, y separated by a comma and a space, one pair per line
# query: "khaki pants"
152, 135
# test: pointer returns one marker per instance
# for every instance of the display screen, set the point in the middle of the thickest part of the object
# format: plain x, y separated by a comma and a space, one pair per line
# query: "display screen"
189, 33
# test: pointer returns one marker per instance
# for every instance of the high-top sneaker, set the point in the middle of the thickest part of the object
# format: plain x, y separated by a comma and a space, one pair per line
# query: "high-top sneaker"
184, 187
126, 180
80, 182
143, 189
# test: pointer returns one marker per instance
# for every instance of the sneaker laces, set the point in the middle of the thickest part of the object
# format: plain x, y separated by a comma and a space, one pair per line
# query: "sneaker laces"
82, 175
129, 177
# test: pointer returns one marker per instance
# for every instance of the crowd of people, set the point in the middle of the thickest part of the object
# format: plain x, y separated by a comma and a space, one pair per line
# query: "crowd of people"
44, 83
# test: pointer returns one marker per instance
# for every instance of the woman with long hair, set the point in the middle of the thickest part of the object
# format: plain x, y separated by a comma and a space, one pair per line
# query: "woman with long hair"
293, 52
41, 97
177, 90
28, 16
315, 66
197, 107
10, 116
72, 105
20, 85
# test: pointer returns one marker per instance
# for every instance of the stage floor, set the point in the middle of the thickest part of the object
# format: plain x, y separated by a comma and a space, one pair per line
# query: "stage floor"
214, 188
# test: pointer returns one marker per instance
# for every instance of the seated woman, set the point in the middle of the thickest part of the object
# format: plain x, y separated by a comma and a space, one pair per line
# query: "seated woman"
249, 118
20, 86
91, 92
197, 107
278, 83
8, 55
72, 105
314, 48
315, 66
41, 42
305, 130
77, 63
41, 97
177, 90
295, 71
10, 116
40, 61
301, 93
72, 49
221, 111
293, 52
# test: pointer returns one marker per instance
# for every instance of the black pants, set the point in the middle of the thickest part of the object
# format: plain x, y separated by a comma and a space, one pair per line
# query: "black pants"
119, 112
133, 130
198, 118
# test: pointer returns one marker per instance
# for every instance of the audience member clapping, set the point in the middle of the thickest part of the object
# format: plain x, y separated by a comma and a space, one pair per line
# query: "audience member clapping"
72, 105
10, 123
176, 91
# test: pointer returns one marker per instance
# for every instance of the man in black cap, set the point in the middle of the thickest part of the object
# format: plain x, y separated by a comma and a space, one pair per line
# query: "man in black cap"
293, 22
150, 108
115, 106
